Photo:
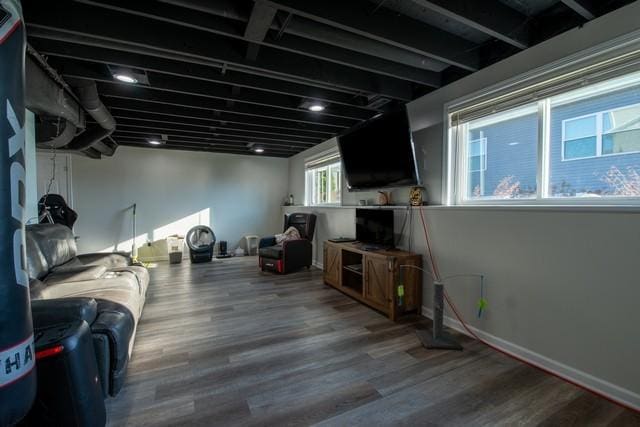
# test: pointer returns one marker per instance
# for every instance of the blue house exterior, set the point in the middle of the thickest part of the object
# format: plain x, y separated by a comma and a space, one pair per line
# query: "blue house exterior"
594, 142
511, 151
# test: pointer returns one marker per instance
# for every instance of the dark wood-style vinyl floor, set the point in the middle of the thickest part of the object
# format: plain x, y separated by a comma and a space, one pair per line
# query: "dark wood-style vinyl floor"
224, 344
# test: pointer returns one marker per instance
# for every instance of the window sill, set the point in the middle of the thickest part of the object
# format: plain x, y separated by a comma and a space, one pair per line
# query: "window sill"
545, 207
352, 206
494, 207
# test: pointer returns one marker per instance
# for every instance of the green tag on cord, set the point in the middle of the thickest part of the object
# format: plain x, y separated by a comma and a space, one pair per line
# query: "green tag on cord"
482, 304
401, 291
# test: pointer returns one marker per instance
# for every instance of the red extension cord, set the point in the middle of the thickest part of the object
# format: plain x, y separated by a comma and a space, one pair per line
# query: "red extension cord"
436, 273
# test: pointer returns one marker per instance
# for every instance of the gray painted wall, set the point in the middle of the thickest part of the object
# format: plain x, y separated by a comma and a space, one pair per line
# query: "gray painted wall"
235, 195
561, 283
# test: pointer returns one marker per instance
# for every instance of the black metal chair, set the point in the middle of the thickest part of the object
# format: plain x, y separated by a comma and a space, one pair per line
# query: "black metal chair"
290, 255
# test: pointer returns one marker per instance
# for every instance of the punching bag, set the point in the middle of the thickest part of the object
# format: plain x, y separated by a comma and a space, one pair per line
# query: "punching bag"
17, 354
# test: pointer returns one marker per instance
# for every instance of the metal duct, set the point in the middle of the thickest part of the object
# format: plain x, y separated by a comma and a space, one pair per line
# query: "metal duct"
91, 153
62, 111
54, 132
87, 93
105, 147
60, 115
45, 97
88, 138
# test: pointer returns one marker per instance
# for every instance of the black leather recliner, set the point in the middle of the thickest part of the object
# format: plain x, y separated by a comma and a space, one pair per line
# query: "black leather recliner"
112, 329
290, 255
103, 289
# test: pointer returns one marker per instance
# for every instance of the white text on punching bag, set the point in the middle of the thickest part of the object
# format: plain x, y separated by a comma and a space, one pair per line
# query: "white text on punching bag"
16, 144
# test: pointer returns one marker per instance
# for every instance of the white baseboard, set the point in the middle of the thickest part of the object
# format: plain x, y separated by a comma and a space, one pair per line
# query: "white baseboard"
612, 391
318, 264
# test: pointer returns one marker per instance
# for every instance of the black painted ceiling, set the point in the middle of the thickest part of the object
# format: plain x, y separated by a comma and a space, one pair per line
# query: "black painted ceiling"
234, 75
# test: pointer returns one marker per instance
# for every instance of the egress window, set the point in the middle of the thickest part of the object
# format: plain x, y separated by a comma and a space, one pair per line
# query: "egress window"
594, 141
574, 145
501, 155
323, 179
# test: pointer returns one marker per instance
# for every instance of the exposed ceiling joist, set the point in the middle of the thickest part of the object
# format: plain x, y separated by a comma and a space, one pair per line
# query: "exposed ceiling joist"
192, 76
388, 27
108, 25
130, 106
159, 97
312, 30
174, 84
242, 148
219, 143
195, 71
232, 9
584, 8
141, 117
488, 16
355, 59
213, 148
303, 46
179, 136
187, 131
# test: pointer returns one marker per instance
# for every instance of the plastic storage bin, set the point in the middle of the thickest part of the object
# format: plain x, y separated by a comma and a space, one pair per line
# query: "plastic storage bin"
174, 249
252, 243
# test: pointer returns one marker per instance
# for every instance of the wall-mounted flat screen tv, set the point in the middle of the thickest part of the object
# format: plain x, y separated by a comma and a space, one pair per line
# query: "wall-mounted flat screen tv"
379, 153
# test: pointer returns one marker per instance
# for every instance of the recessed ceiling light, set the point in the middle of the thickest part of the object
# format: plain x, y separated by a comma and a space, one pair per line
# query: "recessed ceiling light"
316, 107
155, 142
125, 78
258, 150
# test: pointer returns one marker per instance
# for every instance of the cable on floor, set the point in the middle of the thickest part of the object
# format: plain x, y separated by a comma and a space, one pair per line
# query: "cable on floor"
453, 307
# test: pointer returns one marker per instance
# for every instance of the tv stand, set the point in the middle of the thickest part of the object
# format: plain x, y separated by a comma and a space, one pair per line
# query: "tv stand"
373, 277
368, 247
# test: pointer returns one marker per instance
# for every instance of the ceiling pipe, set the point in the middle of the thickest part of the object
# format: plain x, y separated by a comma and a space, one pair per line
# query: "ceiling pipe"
61, 110
54, 132
87, 93
47, 98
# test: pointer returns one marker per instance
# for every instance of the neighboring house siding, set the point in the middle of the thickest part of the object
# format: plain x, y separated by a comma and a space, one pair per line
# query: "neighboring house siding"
511, 151
585, 175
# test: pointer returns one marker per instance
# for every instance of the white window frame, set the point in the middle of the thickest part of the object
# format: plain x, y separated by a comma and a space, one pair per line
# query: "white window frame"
483, 161
599, 134
455, 183
326, 161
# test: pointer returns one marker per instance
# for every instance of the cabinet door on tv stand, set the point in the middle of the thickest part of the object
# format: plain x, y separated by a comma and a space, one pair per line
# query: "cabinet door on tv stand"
331, 263
377, 274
